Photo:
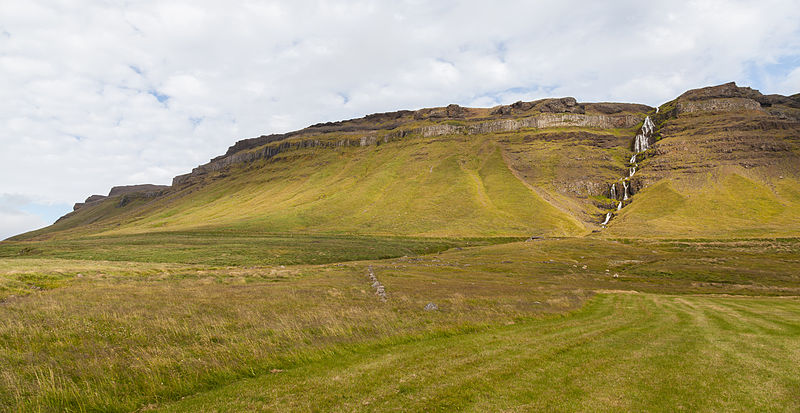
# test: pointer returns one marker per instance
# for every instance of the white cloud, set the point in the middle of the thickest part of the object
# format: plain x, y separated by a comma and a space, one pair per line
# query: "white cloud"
790, 84
95, 94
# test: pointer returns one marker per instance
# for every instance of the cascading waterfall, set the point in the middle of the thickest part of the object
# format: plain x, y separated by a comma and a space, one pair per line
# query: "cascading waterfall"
641, 143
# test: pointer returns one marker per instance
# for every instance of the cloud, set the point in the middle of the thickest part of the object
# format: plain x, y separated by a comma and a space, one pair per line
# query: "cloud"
95, 94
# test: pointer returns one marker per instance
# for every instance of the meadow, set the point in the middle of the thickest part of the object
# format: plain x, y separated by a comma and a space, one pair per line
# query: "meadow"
221, 248
555, 324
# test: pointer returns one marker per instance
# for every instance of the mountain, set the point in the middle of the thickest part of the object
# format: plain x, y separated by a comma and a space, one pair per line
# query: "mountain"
720, 161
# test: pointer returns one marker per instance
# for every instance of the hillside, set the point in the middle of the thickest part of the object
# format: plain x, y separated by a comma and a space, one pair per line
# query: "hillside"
723, 161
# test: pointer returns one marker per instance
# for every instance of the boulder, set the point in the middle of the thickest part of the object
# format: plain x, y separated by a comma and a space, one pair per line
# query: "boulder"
431, 307
455, 111
562, 105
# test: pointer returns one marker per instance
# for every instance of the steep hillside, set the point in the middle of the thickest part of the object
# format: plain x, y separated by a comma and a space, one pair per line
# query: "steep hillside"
726, 162
722, 161
456, 172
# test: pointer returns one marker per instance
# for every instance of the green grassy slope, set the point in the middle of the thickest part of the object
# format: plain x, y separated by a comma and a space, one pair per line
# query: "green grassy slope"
434, 188
90, 218
720, 205
444, 187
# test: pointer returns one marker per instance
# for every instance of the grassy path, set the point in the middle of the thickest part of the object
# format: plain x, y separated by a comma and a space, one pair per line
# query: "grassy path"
630, 352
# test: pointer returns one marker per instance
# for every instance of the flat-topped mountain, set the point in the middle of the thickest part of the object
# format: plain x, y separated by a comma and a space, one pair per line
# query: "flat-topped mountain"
717, 161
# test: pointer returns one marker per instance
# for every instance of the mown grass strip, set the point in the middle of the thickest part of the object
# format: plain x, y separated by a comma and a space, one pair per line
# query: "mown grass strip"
621, 352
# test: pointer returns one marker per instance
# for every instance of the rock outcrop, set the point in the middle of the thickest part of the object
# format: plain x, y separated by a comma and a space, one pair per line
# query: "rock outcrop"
730, 97
144, 190
558, 105
90, 200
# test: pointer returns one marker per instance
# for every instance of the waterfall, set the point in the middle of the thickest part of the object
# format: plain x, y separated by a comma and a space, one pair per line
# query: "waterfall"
641, 143
648, 127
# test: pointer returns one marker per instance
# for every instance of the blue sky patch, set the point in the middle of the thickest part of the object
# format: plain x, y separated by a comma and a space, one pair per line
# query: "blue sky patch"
49, 213
158, 95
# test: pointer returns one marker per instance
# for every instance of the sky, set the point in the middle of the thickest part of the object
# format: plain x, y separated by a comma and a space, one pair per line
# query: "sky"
95, 94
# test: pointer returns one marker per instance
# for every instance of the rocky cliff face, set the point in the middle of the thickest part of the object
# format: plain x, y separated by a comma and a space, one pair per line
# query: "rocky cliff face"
717, 105
723, 126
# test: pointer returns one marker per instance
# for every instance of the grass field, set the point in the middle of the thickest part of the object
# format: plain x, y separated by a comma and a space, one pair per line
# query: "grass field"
517, 323
235, 248
621, 352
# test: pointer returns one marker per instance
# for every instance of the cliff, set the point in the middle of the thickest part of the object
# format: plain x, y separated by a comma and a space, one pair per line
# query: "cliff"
722, 126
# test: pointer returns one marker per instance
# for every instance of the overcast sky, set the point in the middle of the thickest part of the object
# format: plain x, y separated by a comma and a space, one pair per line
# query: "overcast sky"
101, 93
